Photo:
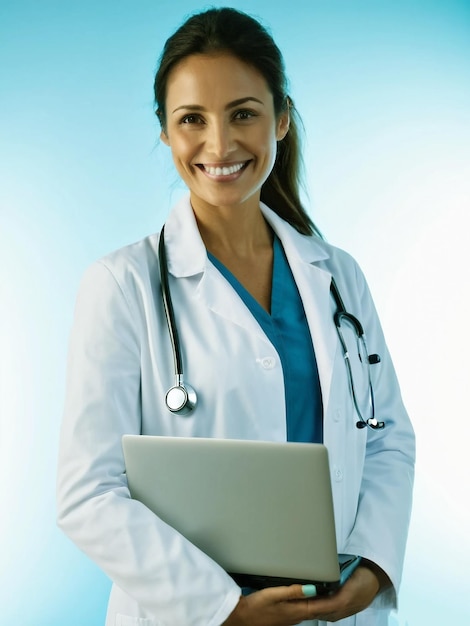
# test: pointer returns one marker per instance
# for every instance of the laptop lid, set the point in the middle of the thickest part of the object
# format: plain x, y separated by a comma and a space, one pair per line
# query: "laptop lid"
262, 510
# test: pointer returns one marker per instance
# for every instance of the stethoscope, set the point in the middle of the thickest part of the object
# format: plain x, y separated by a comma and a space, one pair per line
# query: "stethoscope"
181, 398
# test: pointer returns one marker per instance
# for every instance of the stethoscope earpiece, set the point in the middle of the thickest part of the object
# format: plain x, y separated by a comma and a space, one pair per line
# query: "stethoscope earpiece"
372, 422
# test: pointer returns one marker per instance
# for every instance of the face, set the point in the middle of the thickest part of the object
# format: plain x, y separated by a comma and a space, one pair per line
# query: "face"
222, 129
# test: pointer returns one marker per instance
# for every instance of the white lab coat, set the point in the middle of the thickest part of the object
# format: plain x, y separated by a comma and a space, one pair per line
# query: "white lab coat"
120, 367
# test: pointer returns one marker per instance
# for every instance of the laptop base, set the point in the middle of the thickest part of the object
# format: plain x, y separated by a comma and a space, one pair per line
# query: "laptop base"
255, 582
348, 564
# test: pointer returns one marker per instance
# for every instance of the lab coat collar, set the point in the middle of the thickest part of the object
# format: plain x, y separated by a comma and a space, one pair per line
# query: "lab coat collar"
305, 248
187, 254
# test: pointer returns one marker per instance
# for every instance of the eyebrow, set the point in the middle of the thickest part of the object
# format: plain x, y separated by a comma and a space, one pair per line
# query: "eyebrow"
230, 105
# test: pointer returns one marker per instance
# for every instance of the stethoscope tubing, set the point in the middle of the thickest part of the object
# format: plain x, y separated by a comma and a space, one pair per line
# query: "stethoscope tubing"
181, 398
168, 306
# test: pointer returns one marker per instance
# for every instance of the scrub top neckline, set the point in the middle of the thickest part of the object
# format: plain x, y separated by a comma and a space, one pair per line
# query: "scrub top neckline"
276, 285
288, 331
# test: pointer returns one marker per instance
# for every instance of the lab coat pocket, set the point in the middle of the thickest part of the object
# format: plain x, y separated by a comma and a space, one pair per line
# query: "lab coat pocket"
128, 620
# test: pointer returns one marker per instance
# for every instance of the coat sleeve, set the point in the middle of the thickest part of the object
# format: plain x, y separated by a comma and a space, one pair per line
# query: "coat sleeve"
169, 577
384, 506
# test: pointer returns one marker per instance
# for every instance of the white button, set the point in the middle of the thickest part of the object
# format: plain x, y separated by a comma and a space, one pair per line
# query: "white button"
337, 415
267, 362
337, 474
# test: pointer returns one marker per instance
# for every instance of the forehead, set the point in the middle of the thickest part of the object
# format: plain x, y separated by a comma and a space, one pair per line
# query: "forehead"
214, 79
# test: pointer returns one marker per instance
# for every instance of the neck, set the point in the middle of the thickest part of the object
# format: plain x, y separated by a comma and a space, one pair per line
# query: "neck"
239, 231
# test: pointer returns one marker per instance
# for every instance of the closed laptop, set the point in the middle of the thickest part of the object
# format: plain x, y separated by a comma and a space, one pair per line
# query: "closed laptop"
262, 510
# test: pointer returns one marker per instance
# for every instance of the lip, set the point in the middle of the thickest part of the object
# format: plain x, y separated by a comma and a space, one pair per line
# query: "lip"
224, 171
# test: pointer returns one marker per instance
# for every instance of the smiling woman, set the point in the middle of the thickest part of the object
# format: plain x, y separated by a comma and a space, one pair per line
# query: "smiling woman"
224, 141
229, 33
251, 281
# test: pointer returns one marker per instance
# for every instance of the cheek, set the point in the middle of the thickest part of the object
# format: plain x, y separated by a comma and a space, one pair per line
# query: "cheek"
182, 149
265, 140
268, 145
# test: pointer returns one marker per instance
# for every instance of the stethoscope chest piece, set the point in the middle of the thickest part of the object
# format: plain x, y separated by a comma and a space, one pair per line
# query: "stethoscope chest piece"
181, 399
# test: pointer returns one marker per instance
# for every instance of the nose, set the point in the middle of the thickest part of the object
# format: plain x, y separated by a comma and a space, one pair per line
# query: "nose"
220, 139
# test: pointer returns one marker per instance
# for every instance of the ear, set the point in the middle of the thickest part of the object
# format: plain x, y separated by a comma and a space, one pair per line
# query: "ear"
164, 138
282, 126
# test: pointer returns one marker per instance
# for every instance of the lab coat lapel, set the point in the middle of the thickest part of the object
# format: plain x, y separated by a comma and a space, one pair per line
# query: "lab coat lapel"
221, 298
314, 287
187, 256
304, 255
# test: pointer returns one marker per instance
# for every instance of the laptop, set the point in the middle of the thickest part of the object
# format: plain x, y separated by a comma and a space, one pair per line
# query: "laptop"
262, 510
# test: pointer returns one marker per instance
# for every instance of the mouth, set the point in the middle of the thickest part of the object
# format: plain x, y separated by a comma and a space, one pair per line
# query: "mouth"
227, 171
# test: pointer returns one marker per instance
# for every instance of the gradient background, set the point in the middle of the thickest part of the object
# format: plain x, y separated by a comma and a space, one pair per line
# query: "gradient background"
384, 91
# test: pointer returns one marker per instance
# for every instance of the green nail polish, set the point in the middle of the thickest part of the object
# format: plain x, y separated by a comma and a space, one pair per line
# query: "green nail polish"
309, 591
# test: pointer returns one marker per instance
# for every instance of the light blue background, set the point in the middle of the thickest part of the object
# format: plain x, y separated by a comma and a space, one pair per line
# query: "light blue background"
384, 91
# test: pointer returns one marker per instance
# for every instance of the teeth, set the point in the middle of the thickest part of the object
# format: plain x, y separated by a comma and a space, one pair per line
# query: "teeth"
223, 171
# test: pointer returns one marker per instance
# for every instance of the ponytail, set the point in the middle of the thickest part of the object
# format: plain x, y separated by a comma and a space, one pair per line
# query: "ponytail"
281, 191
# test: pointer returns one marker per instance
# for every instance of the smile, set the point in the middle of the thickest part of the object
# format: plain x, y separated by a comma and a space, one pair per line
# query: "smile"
223, 170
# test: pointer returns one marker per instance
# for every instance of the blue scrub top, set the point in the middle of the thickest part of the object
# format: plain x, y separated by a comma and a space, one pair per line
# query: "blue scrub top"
287, 329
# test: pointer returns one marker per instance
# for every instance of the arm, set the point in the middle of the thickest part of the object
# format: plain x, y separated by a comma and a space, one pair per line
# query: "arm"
381, 526
165, 574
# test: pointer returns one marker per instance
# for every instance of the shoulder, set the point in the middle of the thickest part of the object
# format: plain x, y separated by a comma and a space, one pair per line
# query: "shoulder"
123, 274
133, 260
338, 262
130, 262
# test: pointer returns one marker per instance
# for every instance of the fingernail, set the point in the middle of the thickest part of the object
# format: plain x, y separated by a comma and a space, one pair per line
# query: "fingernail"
309, 591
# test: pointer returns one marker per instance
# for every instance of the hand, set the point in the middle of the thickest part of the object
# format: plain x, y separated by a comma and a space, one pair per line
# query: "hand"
286, 606
275, 606
354, 596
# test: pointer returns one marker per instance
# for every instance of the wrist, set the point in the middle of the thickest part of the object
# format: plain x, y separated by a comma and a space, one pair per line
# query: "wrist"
383, 580
236, 616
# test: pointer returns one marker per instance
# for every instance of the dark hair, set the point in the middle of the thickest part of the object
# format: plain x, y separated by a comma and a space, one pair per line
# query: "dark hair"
229, 30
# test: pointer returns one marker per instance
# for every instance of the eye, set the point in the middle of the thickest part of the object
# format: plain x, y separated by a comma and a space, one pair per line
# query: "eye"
244, 114
192, 118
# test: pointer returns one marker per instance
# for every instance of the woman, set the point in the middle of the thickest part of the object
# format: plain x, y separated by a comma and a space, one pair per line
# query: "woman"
251, 292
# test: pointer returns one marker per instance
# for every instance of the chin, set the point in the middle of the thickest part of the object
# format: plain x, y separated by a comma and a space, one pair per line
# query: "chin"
226, 199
